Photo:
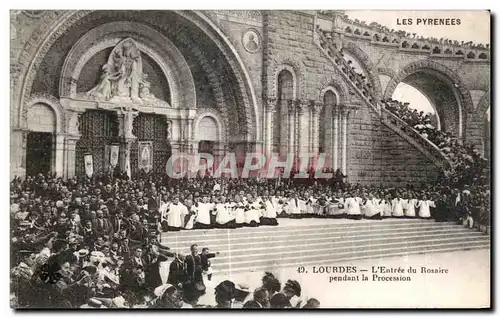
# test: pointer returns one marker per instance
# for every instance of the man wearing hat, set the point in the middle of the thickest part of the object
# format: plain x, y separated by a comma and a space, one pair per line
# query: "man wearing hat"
21, 277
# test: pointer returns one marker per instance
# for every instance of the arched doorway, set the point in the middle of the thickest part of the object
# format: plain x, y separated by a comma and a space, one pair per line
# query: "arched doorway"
417, 101
40, 156
442, 87
208, 142
99, 129
202, 43
208, 135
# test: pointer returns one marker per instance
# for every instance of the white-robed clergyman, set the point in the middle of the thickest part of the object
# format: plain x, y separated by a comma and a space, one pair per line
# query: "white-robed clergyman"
203, 214
424, 208
353, 207
269, 213
397, 207
224, 217
175, 214
410, 208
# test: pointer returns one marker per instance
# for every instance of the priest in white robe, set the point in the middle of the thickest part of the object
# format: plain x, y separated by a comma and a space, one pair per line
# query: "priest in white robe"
269, 215
410, 207
224, 217
239, 211
204, 209
386, 207
397, 207
352, 204
175, 214
371, 208
424, 206
253, 212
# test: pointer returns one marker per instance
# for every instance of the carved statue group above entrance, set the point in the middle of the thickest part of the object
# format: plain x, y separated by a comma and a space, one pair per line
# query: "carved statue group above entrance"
122, 79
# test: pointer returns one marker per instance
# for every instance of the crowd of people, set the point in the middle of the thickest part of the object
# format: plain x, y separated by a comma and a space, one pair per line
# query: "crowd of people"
377, 27
468, 166
94, 242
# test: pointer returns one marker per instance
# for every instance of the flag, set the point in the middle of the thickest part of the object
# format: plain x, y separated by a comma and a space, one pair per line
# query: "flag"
89, 165
113, 156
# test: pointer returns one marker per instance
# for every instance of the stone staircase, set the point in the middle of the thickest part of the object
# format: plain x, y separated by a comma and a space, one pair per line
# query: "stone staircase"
325, 44
320, 241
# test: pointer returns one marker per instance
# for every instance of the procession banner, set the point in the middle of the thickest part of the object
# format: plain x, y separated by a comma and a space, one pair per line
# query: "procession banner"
145, 155
114, 151
89, 165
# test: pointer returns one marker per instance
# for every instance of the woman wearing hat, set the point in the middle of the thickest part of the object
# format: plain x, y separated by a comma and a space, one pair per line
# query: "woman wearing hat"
225, 294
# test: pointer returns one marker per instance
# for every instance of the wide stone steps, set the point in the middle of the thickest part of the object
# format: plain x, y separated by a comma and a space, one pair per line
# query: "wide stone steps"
266, 248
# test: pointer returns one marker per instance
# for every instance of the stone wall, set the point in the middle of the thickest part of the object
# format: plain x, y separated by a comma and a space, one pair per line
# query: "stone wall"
375, 154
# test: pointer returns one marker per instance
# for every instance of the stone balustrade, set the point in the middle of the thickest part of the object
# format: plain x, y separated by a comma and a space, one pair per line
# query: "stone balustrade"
363, 86
423, 144
381, 35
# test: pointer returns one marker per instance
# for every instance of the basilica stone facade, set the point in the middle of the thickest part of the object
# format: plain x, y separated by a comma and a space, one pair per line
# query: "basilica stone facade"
150, 84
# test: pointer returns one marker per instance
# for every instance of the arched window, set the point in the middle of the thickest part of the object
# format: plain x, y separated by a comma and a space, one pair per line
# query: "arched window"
207, 129
327, 126
285, 93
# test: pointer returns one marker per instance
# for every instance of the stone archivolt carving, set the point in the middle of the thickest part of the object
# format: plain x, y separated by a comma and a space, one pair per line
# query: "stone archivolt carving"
46, 35
122, 78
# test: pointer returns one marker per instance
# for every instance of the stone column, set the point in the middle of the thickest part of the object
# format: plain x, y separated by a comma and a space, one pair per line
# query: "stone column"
317, 108
291, 126
268, 141
345, 117
59, 155
335, 154
302, 129
18, 143
70, 155
70, 140
126, 120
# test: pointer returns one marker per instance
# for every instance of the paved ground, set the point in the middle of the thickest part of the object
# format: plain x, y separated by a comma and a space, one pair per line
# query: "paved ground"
467, 283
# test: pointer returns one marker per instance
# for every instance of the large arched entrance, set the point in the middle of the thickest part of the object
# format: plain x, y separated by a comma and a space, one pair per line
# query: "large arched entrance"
189, 64
442, 87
